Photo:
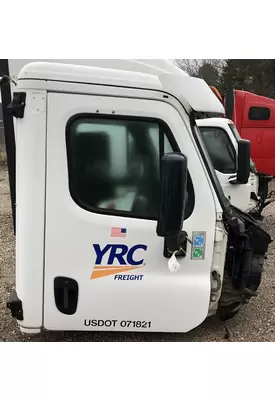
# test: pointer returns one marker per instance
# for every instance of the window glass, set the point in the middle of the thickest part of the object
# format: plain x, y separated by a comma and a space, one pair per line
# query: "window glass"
220, 149
259, 114
114, 165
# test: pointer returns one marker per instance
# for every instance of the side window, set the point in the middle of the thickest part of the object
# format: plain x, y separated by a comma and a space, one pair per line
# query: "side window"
114, 165
259, 114
220, 149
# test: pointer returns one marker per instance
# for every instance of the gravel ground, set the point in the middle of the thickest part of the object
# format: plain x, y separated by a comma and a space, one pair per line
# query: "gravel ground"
254, 323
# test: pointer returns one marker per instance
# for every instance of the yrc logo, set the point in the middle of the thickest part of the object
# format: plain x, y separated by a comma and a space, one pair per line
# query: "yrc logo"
114, 259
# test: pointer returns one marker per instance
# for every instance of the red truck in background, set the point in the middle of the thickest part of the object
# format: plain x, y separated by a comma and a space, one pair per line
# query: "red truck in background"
254, 117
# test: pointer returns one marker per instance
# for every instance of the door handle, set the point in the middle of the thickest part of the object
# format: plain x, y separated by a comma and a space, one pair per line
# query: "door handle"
66, 294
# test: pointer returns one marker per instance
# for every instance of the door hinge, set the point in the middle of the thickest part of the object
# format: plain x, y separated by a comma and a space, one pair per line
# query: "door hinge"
15, 305
219, 234
17, 107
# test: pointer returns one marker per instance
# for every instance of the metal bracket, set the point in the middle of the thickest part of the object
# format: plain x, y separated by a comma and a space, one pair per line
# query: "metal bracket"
17, 107
181, 242
15, 305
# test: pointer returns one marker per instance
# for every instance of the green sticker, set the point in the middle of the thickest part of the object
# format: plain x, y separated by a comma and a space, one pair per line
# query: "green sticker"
198, 254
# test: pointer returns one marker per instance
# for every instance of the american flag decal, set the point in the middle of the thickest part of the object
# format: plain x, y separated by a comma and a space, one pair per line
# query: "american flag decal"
118, 232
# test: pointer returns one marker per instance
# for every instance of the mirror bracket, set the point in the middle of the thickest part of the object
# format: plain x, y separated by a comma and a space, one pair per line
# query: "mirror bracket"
233, 180
174, 243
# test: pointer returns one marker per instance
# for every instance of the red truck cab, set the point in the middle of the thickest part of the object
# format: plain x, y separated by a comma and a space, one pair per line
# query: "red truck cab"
254, 117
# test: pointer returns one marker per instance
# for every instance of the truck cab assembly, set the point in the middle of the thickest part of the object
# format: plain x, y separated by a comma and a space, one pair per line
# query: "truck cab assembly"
121, 220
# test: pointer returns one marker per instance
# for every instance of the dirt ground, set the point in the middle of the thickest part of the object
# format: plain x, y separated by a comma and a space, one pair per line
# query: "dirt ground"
254, 323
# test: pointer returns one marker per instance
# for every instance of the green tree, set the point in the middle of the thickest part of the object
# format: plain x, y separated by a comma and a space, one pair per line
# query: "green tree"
208, 69
256, 76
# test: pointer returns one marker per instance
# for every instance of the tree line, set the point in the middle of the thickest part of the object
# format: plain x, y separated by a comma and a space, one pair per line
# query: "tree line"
256, 76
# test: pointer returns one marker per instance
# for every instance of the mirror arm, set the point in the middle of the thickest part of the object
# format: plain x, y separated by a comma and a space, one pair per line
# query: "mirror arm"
233, 180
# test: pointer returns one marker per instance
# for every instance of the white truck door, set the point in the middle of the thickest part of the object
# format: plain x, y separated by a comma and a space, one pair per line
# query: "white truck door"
104, 263
224, 158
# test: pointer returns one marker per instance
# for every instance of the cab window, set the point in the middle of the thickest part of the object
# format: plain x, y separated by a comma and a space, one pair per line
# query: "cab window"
220, 149
259, 114
114, 165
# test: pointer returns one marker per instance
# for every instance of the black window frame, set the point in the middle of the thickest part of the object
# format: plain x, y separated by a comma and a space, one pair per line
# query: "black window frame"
230, 145
166, 131
253, 108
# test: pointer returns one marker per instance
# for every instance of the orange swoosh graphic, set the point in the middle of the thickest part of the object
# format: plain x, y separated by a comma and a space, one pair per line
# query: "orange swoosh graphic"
114, 266
98, 272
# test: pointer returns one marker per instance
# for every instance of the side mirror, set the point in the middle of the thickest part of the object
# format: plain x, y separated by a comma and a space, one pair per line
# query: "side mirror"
243, 161
173, 195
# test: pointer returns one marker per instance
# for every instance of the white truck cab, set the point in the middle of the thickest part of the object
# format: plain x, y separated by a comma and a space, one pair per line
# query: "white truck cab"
121, 222
238, 195
221, 140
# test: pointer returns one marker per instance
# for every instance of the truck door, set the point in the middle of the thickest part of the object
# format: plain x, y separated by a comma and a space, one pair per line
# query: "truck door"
223, 156
104, 263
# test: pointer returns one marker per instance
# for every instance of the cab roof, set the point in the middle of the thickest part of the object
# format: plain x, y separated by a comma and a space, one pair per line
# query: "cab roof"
193, 93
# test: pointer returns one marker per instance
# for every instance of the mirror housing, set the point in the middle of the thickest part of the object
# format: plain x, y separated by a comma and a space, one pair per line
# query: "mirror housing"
173, 195
244, 164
